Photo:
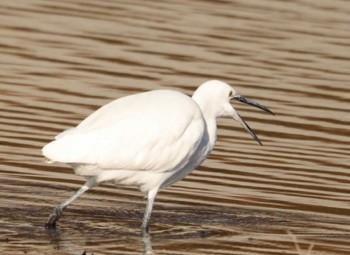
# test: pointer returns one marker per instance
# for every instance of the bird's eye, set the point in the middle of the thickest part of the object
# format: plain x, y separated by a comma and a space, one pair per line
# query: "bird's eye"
231, 94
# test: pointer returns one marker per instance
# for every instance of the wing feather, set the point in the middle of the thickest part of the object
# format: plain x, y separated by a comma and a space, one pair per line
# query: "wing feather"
153, 131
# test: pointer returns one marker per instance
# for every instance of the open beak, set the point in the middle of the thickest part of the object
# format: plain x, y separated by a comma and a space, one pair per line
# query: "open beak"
243, 123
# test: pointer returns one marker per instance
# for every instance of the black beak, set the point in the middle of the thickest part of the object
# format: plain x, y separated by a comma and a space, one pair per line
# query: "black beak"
252, 103
243, 123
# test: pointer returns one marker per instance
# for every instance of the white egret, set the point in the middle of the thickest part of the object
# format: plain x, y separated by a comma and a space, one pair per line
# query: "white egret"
149, 140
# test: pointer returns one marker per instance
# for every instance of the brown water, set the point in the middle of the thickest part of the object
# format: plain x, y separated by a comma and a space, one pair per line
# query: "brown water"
60, 60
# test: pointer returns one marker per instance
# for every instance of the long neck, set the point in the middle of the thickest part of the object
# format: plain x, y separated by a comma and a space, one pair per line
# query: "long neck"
210, 119
211, 126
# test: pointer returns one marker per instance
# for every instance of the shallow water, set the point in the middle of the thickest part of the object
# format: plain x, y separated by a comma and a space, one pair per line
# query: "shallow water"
60, 60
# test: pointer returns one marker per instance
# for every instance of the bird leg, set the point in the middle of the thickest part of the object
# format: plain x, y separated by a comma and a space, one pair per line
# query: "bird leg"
145, 223
57, 211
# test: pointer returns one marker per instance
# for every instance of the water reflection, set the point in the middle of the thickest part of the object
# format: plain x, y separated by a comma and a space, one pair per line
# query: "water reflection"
61, 239
146, 239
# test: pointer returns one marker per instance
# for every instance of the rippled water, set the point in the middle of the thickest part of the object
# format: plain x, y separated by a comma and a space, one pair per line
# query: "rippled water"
60, 60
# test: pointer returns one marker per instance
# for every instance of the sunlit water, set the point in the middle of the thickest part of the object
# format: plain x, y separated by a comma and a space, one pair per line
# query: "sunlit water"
60, 60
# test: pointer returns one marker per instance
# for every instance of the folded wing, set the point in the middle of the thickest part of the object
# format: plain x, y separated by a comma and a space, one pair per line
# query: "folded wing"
152, 131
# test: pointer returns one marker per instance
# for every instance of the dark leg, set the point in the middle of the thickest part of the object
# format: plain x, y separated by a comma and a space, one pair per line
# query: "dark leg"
57, 212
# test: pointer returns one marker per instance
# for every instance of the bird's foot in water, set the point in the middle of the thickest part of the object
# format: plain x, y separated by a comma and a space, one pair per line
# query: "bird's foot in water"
56, 214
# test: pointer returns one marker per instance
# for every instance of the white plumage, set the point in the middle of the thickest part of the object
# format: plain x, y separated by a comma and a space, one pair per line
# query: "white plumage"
147, 132
149, 140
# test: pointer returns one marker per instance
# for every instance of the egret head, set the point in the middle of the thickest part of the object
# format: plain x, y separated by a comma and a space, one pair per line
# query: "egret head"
214, 98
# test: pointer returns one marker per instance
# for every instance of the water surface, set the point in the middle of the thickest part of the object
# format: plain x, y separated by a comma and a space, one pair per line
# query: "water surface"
60, 60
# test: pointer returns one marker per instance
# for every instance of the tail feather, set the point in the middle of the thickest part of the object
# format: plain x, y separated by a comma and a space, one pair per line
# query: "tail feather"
61, 150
